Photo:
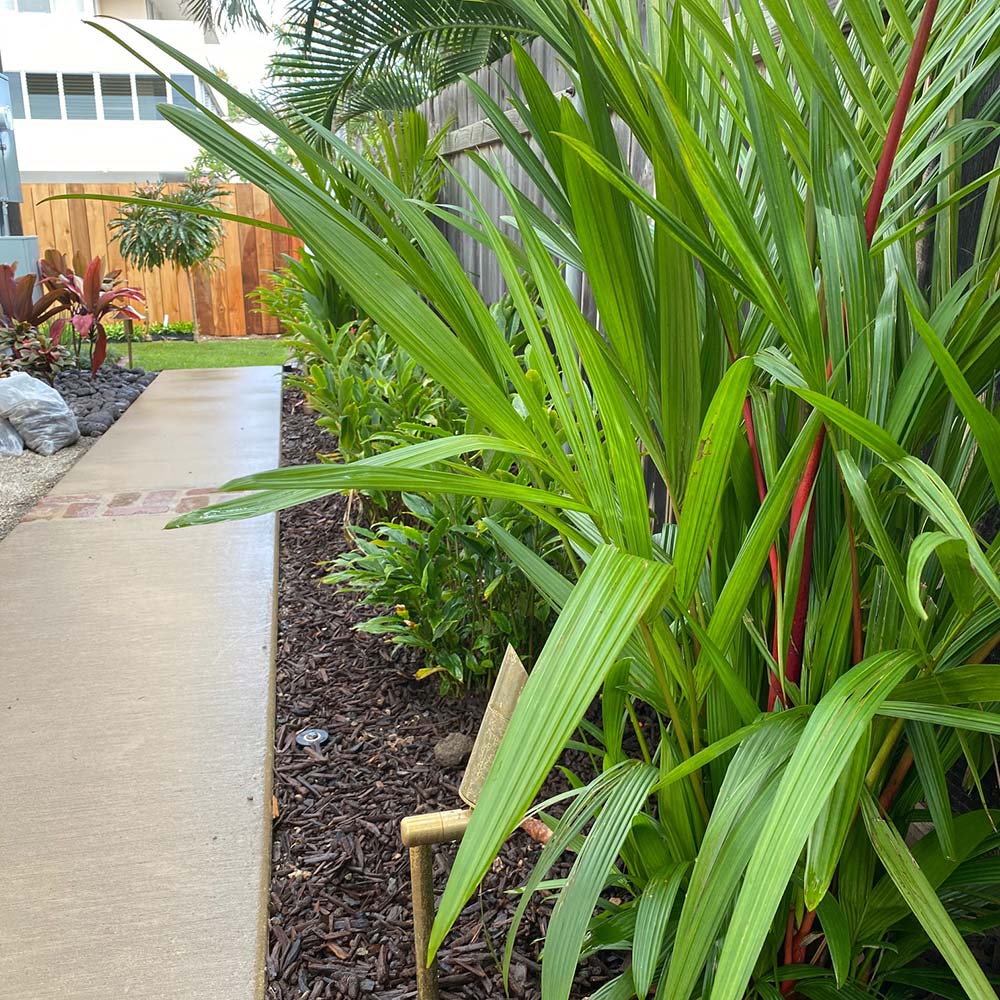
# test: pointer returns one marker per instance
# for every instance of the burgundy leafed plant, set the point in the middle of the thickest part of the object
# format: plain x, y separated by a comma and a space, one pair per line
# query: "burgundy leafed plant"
20, 311
23, 346
92, 300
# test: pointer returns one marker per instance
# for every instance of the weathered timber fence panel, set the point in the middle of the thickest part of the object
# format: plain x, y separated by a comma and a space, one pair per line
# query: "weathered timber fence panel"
471, 134
246, 254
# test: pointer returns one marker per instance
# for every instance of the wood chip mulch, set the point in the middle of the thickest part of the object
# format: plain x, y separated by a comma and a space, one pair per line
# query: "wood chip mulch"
340, 919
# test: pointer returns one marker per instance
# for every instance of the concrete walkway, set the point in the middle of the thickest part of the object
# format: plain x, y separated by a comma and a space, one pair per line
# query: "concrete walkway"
136, 710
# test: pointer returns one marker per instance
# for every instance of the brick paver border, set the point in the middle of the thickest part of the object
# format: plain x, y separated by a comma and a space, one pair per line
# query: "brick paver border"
87, 506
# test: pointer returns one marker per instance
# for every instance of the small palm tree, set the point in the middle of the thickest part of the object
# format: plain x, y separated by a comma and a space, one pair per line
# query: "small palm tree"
165, 228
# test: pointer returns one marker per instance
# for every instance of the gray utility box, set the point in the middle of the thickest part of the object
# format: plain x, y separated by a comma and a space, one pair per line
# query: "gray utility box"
10, 176
20, 250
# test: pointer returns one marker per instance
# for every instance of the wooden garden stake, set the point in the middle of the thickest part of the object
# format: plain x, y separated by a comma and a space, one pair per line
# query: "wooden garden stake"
422, 887
127, 323
421, 833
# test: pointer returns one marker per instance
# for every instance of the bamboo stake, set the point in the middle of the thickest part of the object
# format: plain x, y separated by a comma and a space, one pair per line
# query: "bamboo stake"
421, 833
422, 884
127, 323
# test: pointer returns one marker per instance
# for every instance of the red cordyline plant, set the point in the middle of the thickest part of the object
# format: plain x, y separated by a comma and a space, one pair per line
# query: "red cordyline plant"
20, 309
23, 347
794, 334
91, 299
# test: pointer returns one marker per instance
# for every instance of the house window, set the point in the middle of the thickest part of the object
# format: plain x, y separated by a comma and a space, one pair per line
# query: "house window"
16, 94
43, 95
116, 97
185, 82
151, 91
78, 90
77, 8
76, 96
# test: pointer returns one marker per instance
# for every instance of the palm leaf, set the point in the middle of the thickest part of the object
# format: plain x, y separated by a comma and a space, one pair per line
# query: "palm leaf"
614, 593
924, 902
211, 14
342, 59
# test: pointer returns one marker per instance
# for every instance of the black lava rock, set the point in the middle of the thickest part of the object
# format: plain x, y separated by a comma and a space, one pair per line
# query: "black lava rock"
99, 400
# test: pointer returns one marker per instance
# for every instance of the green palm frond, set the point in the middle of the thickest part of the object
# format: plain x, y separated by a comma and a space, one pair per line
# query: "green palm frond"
211, 14
341, 59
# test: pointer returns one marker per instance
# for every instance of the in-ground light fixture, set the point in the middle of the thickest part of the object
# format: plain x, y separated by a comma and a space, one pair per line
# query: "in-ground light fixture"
314, 738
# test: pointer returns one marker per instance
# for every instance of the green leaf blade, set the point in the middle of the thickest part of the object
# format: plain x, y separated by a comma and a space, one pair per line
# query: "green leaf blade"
923, 900
613, 594
838, 723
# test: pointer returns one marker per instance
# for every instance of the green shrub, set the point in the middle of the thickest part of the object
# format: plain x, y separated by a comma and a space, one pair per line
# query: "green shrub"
116, 331
450, 592
367, 393
372, 396
310, 305
445, 589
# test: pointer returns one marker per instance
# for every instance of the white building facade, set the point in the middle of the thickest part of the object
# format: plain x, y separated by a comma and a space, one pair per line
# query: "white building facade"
84, 108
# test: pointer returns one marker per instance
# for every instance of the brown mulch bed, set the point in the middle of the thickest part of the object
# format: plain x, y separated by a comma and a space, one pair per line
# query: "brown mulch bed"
340, 923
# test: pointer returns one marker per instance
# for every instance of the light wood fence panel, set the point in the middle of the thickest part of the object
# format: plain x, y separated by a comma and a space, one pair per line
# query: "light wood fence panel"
247, 254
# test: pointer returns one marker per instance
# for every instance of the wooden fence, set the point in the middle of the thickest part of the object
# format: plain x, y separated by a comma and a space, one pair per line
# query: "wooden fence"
247, 254
470, 133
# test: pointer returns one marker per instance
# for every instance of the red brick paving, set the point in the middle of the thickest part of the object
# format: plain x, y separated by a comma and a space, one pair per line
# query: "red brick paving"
87, 506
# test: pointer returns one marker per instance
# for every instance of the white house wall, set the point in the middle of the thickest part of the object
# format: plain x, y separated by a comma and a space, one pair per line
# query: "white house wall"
102, 150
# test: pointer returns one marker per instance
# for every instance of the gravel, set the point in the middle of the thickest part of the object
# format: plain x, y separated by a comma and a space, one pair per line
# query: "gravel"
28, 477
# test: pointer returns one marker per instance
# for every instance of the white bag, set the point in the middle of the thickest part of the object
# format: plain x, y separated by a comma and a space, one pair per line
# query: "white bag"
10, 440
38, 413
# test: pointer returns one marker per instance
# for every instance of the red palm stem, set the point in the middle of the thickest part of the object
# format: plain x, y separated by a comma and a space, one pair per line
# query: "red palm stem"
793, 942
793, 659
793, 665
758, 471
895, 131
774, 684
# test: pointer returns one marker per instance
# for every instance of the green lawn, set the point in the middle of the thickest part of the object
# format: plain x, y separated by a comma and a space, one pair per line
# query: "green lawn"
237, 352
